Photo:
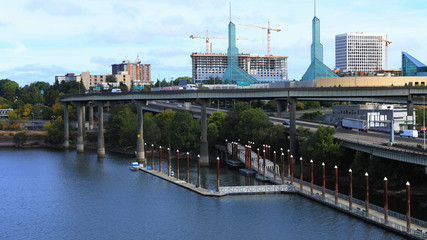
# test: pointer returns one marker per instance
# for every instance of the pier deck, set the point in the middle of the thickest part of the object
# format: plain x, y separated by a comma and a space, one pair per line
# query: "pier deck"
182, 183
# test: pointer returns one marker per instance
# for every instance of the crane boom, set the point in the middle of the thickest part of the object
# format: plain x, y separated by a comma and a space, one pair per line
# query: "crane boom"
209, 37
386, 49
268, 32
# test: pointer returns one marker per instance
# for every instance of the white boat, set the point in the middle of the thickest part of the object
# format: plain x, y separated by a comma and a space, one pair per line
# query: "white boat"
134, 166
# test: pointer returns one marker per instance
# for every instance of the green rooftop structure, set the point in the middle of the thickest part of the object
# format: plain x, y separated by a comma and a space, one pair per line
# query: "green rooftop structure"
317, 68
234, 74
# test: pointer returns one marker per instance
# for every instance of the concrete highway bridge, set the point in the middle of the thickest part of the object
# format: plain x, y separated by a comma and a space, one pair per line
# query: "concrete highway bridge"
400, 95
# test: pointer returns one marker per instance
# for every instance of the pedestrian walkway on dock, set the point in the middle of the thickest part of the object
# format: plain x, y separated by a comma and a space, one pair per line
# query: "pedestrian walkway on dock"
371, 213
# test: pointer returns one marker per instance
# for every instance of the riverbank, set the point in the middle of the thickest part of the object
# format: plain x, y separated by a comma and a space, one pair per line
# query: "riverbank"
30, 139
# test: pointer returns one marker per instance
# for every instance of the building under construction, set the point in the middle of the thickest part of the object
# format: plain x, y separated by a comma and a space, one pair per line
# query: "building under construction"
264, 69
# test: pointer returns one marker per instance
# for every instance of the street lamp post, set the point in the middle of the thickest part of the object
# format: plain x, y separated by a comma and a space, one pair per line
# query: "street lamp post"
424, 122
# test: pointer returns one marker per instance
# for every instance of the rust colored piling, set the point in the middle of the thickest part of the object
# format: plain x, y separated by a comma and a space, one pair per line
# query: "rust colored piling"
160, 159
289, 169
386, 199
269, 153
217, 174
350, 200
283, 166
247, 157
336, 183
300, 173
292, 169
145, 150
198, 170
408, 206
311, 175
169, 162
258, 158
177, 164
367, 193
226, 146
250, 158
263, 153
323, 179
188, 167
152, 156
274, 167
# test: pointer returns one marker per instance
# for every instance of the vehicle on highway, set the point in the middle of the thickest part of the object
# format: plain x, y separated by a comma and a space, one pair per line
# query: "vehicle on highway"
116, 90
350, 123
153, 102
409, 134
286, 123
179, 105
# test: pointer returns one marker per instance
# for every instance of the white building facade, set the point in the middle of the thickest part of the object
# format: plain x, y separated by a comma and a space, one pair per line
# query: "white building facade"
359, 52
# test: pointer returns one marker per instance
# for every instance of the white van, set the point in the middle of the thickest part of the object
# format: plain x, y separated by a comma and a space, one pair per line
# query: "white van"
409, 133
116, 90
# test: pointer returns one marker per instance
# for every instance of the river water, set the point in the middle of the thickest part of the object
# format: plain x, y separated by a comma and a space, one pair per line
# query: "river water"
64, 195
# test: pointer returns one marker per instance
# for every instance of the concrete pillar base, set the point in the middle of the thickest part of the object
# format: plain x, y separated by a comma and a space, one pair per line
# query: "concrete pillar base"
101, 153
204, 153
80, 148
66, 145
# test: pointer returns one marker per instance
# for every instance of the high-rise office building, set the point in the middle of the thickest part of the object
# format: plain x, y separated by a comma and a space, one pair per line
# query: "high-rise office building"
359, 52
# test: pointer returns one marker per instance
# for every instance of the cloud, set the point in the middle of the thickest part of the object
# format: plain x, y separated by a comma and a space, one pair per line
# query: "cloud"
29, 73
19, 48
125, 10
56, 8
104, 61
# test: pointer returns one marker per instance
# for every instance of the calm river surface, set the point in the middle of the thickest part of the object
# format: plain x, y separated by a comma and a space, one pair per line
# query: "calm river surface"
64, 195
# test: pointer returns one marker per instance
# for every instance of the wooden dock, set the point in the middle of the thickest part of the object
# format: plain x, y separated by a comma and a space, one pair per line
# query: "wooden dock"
184, 184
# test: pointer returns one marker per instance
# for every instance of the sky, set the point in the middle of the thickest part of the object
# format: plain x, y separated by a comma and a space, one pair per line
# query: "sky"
40, 39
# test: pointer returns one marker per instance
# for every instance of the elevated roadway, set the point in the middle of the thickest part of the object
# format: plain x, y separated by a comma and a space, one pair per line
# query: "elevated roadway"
403, 95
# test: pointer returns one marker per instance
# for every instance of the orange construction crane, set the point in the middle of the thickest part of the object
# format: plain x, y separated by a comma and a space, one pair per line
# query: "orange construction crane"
208, 37
268, 32
386, 49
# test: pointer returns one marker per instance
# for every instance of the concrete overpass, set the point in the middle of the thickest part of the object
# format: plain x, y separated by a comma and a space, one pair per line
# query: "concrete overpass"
402, 95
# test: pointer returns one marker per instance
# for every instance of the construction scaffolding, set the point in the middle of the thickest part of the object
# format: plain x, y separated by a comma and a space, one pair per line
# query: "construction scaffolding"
263, 69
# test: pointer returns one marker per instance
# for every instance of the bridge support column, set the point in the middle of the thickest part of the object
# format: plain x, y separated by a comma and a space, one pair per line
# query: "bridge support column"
80, 142
66, 127
90, 116
101, 144
140, 155
292, 128
84, 121
410, 112
204, 151
279, 110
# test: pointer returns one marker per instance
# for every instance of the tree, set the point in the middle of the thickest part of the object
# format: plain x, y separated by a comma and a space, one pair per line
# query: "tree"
217, 118
271, 106
277, 137
232, 119
213, 134
152, 133
5, 85
111, 79
122, 128
252, 126
164, 122
320, 146
185, 133
300, 106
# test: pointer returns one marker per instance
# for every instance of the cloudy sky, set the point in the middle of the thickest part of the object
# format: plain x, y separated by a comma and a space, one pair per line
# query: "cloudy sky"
43, 38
